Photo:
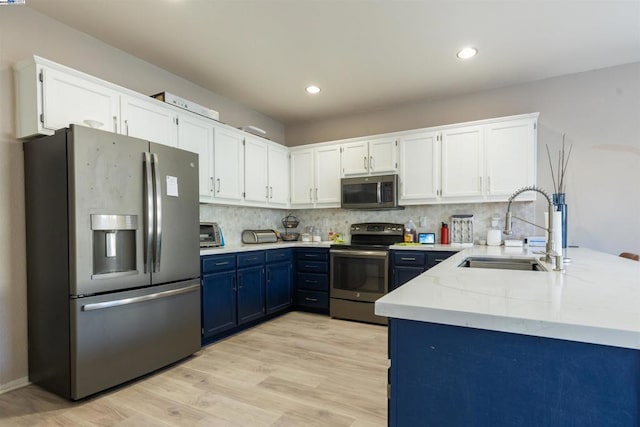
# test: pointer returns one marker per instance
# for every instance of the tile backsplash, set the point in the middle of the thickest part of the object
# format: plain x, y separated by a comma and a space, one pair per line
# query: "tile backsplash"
234, 219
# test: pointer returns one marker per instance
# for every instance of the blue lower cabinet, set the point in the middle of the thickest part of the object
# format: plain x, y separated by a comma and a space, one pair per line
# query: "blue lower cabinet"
240, 290
443, 375
312, 279
218, 303
405, 265
279, 286
251, 294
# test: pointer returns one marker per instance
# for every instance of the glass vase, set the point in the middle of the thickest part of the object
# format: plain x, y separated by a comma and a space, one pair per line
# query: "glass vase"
561, 206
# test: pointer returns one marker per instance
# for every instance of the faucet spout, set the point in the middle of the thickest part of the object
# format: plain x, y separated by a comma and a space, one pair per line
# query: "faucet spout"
549, 253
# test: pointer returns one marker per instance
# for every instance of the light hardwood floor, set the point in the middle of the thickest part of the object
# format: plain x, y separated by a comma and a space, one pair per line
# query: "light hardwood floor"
299, 369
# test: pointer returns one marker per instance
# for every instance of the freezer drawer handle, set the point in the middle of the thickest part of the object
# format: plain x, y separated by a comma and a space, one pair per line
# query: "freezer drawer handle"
126, 301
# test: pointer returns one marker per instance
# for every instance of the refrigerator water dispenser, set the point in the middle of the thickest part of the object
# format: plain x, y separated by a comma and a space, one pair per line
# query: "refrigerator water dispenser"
114, 245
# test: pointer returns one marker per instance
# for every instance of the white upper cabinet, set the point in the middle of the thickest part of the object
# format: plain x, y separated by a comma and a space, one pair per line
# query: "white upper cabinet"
228, 164
149, 119
196, 135
374, 156
462, 162
419, 168
315, 177
510, 154
327, 176
302, 177
278, 175
256, 166
50, 98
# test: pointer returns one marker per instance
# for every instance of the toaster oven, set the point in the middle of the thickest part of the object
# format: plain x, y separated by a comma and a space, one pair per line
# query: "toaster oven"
210, 235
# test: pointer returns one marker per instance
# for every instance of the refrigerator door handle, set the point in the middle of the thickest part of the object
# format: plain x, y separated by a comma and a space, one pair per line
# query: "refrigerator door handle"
126, 301
158, 213
148, 208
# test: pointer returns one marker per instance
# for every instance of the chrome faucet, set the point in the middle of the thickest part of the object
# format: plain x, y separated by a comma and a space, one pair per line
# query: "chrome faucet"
550, 255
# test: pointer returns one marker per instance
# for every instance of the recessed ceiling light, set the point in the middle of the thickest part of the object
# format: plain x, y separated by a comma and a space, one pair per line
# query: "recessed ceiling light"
312, 89
467, 52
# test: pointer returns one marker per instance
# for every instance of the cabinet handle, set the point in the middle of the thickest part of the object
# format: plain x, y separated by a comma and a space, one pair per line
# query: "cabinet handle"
126, 127
316, 194
212, 187
311, 281
235, 281
311, 194
480, 181
310, 266
218, 182
115, 124
365, 163
266, 188
407, 259
439, 260
271, 192
489, 184
371, 163
222, 263
311, 299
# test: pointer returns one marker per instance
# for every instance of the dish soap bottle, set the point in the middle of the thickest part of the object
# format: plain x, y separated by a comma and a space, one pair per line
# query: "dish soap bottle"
410, 235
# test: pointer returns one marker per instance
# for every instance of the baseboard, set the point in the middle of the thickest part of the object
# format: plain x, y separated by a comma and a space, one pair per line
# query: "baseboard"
12, 385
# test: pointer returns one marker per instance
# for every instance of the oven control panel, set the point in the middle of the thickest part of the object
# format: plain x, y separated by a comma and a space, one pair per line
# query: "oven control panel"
377, 228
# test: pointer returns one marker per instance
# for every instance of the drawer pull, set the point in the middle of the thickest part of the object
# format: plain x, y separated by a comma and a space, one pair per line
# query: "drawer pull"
311, 266
439, 259
311, 281
222, 263
407, 259
311, 299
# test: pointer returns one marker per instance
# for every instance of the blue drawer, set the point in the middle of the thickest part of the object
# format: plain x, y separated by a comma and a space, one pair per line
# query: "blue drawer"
310, 299
215, 263
312, 266
248, 259
314, 282
313, 254
410, 258
276, 255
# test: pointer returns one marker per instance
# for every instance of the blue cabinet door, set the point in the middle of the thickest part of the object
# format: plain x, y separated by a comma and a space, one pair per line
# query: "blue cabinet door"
279, 286
218, 302
251, 294
402, 275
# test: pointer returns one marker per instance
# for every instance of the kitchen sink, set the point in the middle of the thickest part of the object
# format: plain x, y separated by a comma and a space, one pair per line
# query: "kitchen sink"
524, 264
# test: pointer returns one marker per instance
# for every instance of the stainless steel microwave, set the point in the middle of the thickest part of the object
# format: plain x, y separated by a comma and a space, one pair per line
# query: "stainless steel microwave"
370, 192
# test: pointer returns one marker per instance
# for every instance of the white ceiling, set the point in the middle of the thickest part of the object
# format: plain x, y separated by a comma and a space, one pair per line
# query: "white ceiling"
365, 55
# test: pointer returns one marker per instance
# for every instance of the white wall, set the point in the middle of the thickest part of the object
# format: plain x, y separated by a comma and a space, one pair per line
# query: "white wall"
24, 32
599, 111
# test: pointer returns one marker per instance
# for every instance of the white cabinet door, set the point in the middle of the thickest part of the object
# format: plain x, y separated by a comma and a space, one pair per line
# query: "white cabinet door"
462, 162
302, 177
228, 164
256, 187
510, 153
68, 99
355, 158
278, 175
419, 168
383, 156
196, 135
327, 176
149, 119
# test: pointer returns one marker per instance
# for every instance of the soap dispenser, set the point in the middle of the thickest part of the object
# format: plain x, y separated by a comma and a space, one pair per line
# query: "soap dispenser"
494, 234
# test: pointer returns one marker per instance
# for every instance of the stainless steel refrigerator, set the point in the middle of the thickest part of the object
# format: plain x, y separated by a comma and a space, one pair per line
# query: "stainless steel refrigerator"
113, 272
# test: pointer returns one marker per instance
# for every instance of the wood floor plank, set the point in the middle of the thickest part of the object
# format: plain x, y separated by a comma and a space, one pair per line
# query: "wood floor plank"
299, 369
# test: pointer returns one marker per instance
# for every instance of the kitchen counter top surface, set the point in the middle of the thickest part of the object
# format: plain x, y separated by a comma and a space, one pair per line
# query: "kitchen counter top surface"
419, 247
596, 299
227, 249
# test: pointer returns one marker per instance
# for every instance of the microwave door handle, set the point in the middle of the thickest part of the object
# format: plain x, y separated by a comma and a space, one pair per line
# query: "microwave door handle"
379, 193
148, 209
158, 213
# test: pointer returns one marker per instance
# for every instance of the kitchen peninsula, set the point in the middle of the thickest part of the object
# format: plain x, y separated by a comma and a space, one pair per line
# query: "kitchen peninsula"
472, 346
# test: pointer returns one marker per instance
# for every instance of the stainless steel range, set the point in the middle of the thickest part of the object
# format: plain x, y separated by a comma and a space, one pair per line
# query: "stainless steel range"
360, 271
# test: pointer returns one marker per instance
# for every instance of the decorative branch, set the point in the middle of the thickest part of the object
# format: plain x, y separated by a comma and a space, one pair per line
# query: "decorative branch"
559, 184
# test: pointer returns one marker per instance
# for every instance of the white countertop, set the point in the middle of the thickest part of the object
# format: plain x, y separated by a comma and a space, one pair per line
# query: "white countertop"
261, 246
596, 299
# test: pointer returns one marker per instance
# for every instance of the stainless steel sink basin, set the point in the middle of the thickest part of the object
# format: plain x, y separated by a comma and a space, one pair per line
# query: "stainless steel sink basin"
503, 263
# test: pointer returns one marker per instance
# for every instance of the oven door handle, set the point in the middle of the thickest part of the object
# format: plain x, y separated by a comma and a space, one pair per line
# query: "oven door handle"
359, 253
379, 193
